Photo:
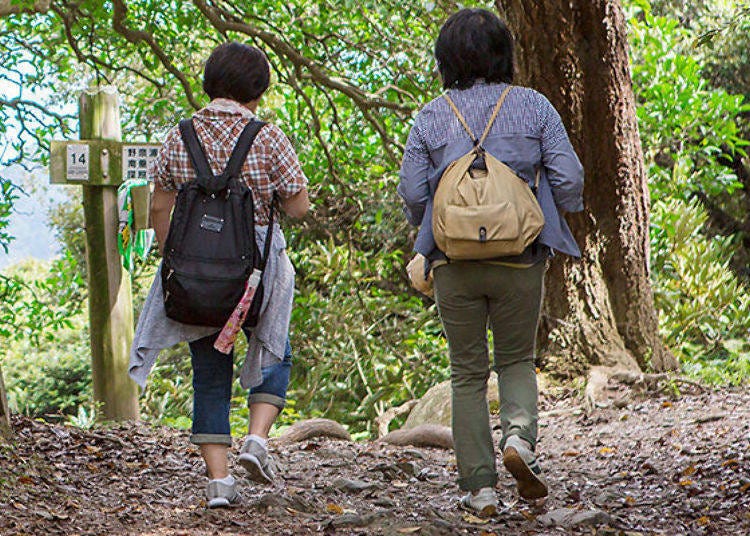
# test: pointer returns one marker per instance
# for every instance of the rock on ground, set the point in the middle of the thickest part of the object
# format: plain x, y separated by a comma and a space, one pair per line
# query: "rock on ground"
435, 406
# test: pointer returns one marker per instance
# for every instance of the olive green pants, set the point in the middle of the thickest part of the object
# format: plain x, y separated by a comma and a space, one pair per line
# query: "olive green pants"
469, 296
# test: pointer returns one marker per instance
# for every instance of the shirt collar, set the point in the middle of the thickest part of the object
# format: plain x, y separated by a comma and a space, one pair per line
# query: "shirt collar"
228, 106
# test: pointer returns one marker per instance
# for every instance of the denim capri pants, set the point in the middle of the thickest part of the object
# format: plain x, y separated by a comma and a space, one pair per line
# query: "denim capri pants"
213, 373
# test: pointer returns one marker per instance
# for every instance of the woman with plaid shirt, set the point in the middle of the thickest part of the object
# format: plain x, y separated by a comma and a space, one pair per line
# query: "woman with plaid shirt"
236, 76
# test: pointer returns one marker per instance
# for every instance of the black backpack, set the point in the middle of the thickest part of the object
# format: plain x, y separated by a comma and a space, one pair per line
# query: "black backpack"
210, 250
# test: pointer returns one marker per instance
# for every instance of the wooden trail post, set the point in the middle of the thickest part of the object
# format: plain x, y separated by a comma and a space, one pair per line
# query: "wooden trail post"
110, 301
99, 162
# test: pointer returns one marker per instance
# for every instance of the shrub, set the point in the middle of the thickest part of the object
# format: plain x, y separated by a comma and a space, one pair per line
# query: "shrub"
362, 344
684, 123
50, 378
705, 309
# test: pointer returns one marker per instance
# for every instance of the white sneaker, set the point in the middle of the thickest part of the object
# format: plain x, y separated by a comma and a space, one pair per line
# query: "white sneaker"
483, 503
257, 462
221, 494
520, 461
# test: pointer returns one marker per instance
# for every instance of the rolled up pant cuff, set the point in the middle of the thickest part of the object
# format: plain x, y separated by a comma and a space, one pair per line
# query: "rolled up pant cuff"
476, 482
267, 398
211, 439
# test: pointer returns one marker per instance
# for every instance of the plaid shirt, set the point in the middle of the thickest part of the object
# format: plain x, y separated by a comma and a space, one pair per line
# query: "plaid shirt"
271, 165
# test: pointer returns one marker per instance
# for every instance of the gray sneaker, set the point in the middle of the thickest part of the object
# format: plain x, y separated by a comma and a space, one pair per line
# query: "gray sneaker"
255, 459
520, 461
484, 503
220, 495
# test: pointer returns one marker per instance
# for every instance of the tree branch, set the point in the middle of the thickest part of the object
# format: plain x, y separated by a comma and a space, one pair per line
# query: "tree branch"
66, 17
226, 22
19, 104
292, 81
8, 7
119, 15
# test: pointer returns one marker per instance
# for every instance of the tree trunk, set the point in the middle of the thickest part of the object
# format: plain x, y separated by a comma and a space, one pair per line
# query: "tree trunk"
599, 310
4, 411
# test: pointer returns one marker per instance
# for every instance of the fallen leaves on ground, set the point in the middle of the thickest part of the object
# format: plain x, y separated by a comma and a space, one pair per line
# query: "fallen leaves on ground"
681, 472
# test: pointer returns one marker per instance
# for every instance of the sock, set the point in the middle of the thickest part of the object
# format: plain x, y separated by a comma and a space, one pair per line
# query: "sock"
260, 440
228, 480
523, 442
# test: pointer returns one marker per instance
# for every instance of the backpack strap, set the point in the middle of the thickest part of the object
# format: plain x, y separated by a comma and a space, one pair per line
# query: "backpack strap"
479, 142
203, 171
241, 148
461, 119
233, 169
269, 236
496, 111
204, 176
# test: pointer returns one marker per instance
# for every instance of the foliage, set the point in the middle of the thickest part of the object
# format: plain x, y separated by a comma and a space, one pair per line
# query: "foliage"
31, 111
33, 304
703, 300
66, 221
728, 363
363, 344
8, 194
690, 131
725, 45
683, 121
345, 88
46, 362
713, 41
169, 395
719, 31
50, 377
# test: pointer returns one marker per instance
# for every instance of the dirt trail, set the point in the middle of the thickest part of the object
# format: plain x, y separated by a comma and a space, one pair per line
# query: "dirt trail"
657, 466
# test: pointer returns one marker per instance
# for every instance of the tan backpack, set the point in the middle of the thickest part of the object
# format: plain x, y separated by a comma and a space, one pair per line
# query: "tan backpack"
484, 213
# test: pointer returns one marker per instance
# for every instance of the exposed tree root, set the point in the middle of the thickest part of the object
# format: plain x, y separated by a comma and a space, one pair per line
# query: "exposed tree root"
602, 386
574, 410
384, 420
424, 435
313, 428
596, 385
653, 382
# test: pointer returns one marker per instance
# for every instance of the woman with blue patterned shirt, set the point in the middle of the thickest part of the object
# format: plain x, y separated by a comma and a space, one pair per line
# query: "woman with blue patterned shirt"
474, 53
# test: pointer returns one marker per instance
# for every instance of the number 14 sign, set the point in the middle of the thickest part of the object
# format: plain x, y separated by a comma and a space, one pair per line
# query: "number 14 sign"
77, 168
100, 162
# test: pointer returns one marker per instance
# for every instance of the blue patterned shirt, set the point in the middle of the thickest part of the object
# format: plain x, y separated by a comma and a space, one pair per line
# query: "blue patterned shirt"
527, 134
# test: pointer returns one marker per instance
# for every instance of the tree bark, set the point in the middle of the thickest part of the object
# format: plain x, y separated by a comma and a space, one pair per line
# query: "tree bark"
4, 411
599, 310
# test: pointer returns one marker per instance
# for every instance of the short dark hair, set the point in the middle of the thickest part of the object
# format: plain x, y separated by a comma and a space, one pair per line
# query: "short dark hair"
236, 71
474, 44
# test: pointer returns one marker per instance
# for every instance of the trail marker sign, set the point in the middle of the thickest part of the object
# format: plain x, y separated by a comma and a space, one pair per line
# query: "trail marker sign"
77, 168
99, 162
137, 160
